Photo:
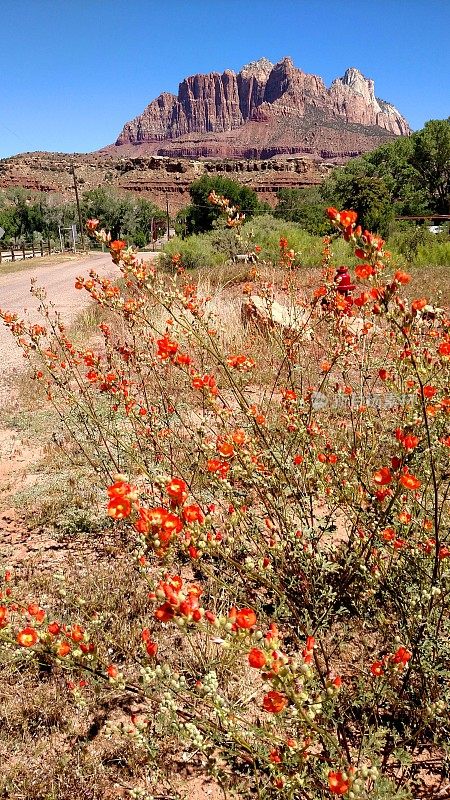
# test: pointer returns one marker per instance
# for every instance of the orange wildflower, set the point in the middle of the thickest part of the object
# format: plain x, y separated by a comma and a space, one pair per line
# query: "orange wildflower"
193, 513
63, 649
117, 245
410, 441
347, 218
177, 491
119, 507
419, 304
239, 436
410, 481
225, 449
402, 277
256, 658
382, 476
54, 628
245, 618
402, 656
166, 347
76, 633
337, 783
27, 637
274, 702
364, 271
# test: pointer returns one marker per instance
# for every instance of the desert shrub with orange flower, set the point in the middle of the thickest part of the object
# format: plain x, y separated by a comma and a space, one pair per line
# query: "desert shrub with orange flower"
285, 505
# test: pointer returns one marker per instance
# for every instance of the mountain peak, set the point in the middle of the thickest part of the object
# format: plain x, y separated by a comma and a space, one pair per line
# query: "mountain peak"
217, 112
353, 75
255, 68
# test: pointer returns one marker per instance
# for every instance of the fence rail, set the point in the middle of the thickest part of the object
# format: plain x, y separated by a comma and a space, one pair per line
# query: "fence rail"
25, 250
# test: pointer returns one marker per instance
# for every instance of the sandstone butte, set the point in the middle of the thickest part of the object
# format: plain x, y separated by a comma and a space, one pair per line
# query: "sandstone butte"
270, 126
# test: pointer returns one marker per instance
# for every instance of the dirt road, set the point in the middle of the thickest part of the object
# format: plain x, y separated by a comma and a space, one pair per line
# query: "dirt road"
59, 281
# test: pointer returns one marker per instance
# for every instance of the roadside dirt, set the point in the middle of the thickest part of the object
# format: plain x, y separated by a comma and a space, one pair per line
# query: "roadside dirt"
18, 454
58, 280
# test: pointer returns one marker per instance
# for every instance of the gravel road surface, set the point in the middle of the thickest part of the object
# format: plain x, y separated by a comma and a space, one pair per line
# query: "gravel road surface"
58, 279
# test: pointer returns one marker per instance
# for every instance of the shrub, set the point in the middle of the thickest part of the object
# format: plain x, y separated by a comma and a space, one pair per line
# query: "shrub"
266, 231
201, 215
197, 251
219, 245
293, 533
433, 254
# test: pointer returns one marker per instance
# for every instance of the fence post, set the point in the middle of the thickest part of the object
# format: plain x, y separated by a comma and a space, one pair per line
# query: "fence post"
49, 247
0, 255
13, 255
23, 252
42, 248
32, 249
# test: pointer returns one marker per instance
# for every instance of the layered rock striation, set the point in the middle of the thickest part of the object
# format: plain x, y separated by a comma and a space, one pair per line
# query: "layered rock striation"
163, 180
277, 108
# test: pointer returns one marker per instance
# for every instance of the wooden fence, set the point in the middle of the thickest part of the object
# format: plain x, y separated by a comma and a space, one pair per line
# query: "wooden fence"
25, 250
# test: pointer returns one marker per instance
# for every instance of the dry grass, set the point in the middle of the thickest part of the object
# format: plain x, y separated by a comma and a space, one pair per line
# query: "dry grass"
61, 744
8, 267
432, 283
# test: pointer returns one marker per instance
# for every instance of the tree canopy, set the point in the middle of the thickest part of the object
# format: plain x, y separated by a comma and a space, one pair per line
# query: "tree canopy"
304, 206
411, 173
27, 215
126, 217
430, 157
201, 215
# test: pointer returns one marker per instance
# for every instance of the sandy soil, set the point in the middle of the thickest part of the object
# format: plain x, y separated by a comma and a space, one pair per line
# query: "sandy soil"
18, 541
58, 279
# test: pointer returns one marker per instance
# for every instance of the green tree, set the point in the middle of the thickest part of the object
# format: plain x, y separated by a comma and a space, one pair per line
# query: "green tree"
19, 212
145, 212
430, 156
138, 216
33, 215
304, 206
107, 207
57, 214
8, 223
370, 198
181, 219
126, 217
414, 170
201, 215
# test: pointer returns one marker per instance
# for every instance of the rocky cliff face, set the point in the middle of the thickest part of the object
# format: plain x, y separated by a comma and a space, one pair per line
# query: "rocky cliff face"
265, 103
354, 98
160, 179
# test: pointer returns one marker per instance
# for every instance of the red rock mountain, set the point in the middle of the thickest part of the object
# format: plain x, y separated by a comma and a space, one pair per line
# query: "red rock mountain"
263, 111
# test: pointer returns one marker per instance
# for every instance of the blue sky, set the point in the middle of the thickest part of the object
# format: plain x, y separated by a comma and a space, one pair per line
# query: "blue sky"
72, 72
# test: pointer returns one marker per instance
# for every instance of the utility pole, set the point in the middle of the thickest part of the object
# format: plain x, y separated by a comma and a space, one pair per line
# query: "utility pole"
168, 218
75, 186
